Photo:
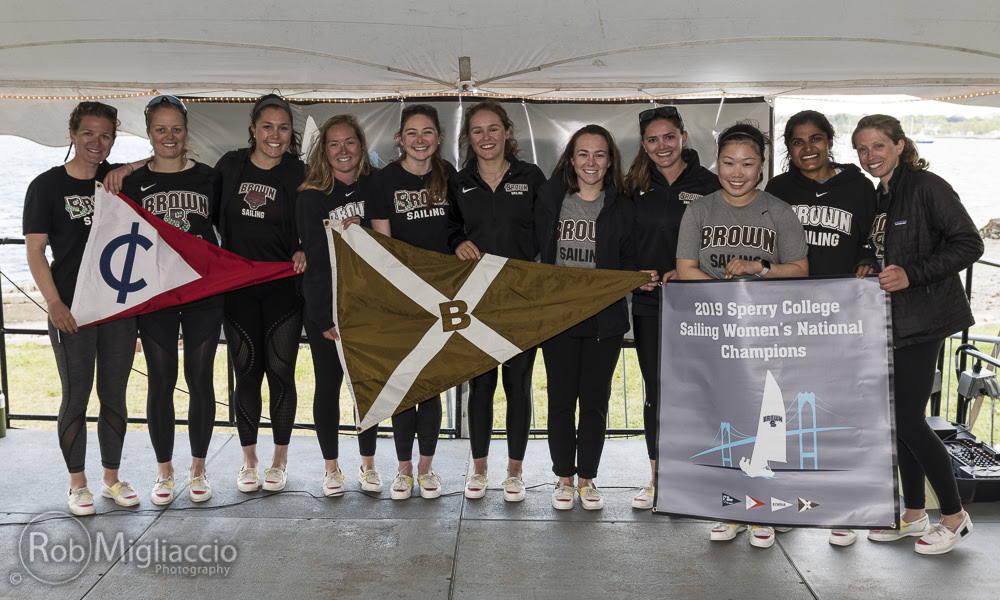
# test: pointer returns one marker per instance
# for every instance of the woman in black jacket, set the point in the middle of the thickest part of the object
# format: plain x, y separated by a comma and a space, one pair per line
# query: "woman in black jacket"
923, 237
334, 189
263, 322
491, 204
583, 221
663, 179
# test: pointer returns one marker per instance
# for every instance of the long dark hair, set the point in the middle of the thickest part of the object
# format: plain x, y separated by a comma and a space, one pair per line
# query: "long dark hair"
801, 118
510, 148
893, 130
295, 146
613, 176
640, 175
437, 185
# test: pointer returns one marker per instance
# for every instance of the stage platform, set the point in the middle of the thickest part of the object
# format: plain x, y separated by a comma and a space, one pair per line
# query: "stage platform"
297, 544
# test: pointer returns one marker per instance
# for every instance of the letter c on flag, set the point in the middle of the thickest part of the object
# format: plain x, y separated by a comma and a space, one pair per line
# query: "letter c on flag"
453, 315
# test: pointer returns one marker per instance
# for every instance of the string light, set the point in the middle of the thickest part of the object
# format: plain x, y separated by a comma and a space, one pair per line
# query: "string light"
79, 98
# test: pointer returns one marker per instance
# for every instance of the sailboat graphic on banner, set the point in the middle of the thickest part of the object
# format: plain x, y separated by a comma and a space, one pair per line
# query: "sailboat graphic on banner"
770, 442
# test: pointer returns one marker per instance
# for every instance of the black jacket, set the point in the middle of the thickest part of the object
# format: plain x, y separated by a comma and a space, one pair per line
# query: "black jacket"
837, 216
500, 222
930, 235
614, 248
311, 208
658, 215
291, 171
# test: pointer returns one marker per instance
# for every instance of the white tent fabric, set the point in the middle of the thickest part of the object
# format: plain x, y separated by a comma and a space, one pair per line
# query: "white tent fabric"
561, 49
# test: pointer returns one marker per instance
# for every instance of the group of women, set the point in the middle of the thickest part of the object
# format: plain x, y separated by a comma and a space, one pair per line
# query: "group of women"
267, 205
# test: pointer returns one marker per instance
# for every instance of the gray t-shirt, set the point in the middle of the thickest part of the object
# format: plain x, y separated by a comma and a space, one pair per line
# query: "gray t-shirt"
576, 239
713, 232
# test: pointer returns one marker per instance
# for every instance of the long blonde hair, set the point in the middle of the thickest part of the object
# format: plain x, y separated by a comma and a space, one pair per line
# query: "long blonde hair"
319, 172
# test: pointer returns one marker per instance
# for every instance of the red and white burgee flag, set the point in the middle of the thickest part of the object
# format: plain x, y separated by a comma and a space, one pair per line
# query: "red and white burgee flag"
135, 263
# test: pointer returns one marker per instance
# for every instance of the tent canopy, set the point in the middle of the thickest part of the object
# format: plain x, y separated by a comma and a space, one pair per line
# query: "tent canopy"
557, 50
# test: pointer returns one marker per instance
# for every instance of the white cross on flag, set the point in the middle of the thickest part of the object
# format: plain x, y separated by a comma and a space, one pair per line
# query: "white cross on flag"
414, 323
135, 263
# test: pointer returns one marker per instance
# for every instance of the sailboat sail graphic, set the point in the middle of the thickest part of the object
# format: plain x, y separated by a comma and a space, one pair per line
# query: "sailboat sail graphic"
770, 442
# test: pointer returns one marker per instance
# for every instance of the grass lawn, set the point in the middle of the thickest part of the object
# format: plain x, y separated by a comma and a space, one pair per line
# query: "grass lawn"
35, 389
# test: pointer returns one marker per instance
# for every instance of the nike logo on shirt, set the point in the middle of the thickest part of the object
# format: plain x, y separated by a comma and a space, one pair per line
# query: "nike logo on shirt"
818, 194
467, 190
146, 187
349, 193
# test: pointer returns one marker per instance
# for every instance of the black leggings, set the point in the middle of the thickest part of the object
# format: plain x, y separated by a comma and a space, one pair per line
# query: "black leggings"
326, 401
111, 347
201, 323
263, 324
424, 420
920, 451
517, 386
579, 368
647, 348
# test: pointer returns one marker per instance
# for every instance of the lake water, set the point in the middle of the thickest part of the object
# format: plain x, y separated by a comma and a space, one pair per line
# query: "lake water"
962, 162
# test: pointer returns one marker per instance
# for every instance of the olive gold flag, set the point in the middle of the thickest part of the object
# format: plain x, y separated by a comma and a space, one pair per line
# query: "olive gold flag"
414, 323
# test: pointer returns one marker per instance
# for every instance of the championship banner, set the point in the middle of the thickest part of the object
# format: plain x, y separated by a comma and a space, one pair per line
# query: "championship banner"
414, 323
135, 263
776, 403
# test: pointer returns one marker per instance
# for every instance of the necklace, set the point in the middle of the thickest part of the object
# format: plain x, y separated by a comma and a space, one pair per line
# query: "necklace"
502, 168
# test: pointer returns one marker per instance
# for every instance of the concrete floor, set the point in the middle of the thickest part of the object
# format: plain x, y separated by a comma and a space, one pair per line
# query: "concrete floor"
298, 544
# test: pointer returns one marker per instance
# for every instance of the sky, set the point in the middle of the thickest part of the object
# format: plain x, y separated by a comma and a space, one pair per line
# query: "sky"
896, 105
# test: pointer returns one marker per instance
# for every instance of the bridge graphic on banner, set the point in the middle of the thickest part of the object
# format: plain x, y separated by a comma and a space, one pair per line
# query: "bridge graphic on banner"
807, 433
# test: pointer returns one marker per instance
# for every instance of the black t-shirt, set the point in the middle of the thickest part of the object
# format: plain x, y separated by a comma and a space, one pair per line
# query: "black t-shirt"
312, 208
62, 207
256, 219
401, 197
187, 199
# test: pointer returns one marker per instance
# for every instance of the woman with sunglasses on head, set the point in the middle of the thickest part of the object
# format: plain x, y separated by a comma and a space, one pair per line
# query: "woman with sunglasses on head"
922, 237
263, 322
582, 220
184, 193
491, 210
665, 176
336, 184
58, 210
739, 205
408, 200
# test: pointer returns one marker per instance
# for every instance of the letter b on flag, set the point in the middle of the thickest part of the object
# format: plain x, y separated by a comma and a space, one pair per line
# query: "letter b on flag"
453, 315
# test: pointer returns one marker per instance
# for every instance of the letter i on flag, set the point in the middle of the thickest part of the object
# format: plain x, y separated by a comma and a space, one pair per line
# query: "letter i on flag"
414, 323
135, 263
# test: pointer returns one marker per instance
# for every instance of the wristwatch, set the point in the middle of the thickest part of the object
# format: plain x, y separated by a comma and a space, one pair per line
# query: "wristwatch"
765, 267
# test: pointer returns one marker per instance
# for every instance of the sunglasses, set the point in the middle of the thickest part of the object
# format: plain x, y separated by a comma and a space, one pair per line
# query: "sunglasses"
419, 108
663, 112
167, 98
105, 109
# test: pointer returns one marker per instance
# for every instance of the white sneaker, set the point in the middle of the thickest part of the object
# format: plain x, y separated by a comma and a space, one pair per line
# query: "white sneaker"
121, 492
430, 485
81, 502
513, 489
163, 491
199, 489
940, 539
916, 528
333, 484
402, 487
275, 479
247, 479
563, 497
644, 498
722, 532
591, 498
370, 480
475, 487
761, 536
843, 537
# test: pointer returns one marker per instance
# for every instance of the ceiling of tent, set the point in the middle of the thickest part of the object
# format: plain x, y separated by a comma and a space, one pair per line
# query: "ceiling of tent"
563, 50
